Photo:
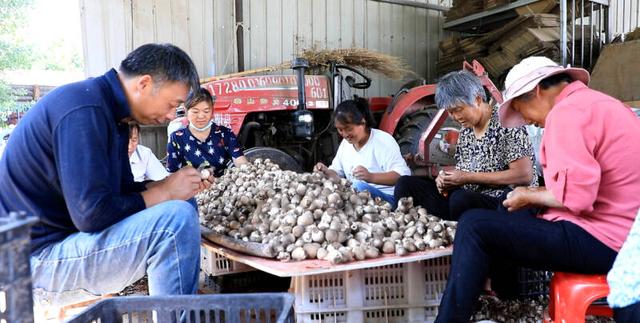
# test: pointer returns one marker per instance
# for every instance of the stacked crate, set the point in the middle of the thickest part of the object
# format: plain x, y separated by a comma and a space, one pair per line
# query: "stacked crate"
16, 303
408, 292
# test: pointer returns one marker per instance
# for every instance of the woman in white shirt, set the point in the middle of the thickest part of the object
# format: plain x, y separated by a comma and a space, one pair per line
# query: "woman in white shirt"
144, 164
369, 158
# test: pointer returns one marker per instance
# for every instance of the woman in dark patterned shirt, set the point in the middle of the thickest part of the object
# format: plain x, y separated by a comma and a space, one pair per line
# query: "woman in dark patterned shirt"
490, 159
203, 142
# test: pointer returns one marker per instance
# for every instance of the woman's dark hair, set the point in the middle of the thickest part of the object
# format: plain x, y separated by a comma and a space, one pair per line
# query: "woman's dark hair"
555, 80
164, 62
546, 83
197, 96
355, 112
132, 126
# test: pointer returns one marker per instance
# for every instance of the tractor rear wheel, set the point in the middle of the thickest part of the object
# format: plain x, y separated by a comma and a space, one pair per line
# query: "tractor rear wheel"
413, 125
279, 157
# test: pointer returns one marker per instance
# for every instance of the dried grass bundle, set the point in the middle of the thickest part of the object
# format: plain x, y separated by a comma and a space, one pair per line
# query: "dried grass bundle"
387, 65
319, 59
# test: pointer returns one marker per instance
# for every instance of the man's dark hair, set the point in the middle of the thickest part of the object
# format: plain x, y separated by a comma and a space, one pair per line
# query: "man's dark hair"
354, 112
163, 62
197, 96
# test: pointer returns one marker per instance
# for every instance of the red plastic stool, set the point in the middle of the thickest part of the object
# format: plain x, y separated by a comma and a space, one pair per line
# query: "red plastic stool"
571, 295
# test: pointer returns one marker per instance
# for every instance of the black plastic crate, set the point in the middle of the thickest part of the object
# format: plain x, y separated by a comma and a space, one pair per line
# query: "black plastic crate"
248, 282
16, 303
258, 308
533, 283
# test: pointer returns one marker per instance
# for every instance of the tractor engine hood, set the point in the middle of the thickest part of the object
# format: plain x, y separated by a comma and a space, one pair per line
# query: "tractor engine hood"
267, 93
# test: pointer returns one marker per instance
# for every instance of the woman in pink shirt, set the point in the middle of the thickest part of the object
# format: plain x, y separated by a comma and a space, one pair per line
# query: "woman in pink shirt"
589, 155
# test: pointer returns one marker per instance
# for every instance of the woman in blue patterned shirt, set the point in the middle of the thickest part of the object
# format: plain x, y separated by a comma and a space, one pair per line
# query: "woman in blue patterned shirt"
203, 142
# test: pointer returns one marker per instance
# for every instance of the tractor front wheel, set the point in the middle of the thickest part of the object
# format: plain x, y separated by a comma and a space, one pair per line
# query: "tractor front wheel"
279, 157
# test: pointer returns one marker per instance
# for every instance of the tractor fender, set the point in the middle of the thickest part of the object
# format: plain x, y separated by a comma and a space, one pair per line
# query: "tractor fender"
408, 102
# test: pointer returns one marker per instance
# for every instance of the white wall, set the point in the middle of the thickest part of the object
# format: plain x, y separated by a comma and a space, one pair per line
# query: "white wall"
624, 16
273, 31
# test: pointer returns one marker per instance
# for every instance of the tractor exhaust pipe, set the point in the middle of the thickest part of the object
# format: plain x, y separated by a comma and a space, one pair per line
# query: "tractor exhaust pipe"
302, 118
299, 65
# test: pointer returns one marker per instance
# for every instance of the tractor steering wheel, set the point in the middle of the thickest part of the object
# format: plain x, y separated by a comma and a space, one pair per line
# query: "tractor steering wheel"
352, 81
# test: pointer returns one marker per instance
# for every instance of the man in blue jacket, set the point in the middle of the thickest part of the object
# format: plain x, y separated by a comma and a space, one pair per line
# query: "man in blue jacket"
67, 163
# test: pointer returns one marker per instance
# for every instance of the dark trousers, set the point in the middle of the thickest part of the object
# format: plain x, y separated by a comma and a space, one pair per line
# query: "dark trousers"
485, 238
424, 192
628, 314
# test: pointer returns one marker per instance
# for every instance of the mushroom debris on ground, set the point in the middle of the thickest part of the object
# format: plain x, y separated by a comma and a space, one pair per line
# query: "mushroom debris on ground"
310, 216
492, 309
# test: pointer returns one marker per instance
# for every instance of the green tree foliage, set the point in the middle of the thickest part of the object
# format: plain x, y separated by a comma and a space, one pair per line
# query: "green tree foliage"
15, 53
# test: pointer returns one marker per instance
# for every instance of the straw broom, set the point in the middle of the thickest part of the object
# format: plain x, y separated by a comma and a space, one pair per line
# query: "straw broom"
319, 59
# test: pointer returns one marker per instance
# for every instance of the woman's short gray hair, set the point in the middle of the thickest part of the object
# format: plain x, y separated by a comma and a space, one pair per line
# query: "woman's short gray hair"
459, 88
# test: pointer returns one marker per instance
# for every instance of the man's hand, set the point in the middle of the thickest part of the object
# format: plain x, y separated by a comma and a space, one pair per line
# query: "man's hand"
183, 184
206, 182
361, 173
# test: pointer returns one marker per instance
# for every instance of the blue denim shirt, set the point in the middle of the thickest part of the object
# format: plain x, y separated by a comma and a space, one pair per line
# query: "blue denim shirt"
67, 163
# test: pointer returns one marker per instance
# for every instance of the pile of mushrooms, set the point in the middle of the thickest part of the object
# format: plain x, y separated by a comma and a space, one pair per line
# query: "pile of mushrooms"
309, 216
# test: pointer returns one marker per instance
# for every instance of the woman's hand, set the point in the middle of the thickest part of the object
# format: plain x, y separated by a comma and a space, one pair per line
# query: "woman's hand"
522, 197
517, 199
320, 167
440, 182
363, 174
452, 178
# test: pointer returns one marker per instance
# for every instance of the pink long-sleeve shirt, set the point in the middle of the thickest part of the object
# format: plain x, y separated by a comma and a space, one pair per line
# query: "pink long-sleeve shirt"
590, 155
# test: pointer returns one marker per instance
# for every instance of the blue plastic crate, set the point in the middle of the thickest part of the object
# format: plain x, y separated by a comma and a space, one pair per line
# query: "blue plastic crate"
16, 303
264, 307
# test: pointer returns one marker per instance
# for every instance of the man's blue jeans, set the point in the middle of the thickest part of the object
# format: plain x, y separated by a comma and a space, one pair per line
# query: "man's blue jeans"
162, 241
360, 186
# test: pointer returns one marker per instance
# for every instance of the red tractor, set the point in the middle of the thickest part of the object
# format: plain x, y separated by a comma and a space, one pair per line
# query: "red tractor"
275, 117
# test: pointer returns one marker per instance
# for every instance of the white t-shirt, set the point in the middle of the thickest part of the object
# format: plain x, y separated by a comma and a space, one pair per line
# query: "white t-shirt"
380, 154
145, 165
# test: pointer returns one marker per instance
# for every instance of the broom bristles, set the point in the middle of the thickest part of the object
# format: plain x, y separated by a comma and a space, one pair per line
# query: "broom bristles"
390, 66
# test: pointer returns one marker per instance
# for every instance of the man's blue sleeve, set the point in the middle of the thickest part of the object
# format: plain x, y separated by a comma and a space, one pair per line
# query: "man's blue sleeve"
82, 145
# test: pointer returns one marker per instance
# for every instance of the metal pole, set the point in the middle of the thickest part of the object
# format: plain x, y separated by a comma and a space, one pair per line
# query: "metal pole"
624, 15
563, 32
607, 28
601, 34
416, 4
573, 32
591, 37
581, 33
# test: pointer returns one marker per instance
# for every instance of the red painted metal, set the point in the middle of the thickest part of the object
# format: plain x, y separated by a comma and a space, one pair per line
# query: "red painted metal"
408, 102
427, 137
237, 97
420, 96
476, 68
379, 103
